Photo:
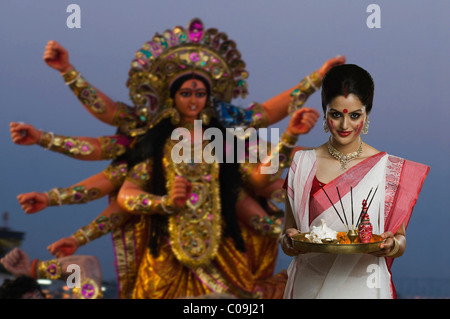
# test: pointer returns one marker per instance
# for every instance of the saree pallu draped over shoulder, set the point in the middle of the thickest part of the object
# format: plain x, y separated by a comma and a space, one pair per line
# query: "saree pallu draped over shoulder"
316, 275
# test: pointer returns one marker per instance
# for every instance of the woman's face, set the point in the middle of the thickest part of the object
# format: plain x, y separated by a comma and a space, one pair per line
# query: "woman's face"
345, 118
190, 99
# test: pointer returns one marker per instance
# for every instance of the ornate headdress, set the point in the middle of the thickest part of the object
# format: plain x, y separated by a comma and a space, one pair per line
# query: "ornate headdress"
176, 52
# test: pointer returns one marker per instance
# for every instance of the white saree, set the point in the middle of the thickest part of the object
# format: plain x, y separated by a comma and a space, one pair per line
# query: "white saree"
317, 275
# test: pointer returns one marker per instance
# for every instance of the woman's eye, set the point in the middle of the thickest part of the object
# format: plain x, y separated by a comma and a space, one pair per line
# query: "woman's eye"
336, 115
355, 115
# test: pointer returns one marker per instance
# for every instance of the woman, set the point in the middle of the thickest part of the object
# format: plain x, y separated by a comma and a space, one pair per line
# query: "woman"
347, 164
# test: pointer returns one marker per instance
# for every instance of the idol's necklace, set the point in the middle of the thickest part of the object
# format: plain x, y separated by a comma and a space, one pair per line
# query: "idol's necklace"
344, 159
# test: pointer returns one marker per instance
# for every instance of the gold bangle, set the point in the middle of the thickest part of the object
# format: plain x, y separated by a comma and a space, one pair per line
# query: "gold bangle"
305, 88
394, 250
71, 76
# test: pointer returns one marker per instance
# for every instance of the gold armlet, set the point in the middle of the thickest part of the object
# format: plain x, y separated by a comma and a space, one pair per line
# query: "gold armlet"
88, 290
267, 225
84, 91
140, 174
116, 173
72, 195
110, 147
99, 227
49, 269
70, 146
305, 88
259, 116
283, 150
149, 204
124, 117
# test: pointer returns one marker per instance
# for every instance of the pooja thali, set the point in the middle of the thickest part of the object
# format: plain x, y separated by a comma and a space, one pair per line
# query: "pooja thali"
300, 242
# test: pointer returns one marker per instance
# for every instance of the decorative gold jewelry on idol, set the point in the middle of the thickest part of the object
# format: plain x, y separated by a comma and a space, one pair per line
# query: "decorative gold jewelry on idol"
194, 50
196, 229
116, 173
306, 87
88, 290
97, 228
84, 91
344, 159
66, 145
72, 195
50, 269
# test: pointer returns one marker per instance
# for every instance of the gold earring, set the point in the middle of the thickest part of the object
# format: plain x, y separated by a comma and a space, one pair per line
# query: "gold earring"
325, 126
206, 114
365, 128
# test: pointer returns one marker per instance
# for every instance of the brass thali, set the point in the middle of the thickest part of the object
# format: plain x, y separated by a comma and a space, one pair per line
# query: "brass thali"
301, 243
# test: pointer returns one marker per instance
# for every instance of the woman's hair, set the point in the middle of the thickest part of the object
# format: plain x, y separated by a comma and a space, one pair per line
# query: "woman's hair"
347, 79
151, 145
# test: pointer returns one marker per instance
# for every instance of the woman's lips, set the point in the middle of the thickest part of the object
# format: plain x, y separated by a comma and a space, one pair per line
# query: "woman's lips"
344, 133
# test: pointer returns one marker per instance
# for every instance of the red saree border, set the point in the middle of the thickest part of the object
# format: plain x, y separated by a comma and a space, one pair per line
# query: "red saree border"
349, 178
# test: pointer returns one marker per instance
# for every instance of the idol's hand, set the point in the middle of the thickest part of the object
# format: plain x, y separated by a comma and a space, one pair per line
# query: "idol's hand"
24, 134
64, 247
302, 121
57, 57
286, 242
338, 60
17, 262
180, 192
33, 202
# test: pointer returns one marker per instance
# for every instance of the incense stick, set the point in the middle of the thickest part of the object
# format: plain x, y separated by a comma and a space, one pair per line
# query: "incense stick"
343, 210
351, 202
359, 219
334, 207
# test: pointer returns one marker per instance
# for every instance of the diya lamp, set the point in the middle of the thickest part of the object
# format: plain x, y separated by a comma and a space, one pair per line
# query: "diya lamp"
365, 227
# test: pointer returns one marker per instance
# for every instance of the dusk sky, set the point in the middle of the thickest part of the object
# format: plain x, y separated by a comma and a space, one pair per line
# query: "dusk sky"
281, 42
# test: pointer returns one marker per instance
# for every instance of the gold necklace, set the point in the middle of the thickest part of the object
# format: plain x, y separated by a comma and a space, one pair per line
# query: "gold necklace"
344, 159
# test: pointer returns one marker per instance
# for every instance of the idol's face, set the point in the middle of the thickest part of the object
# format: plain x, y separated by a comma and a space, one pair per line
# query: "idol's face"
190, 99
345, 118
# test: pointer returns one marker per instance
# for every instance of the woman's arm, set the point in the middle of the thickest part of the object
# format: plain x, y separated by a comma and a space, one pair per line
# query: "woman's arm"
290, 229
394, 245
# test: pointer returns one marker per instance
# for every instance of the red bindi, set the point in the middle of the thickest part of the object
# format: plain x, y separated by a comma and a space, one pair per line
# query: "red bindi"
345, 111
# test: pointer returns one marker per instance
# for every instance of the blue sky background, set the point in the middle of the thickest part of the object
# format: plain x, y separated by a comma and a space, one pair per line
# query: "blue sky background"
281, 42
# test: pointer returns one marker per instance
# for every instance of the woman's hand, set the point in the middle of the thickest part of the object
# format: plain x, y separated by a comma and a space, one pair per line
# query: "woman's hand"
338, 60
302, 121
64, 247
387, 246
24, 134
57, 57
286, 242
180, 191
33, 202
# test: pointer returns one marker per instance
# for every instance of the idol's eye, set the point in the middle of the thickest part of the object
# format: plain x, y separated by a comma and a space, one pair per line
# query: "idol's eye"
200, 94
185, 93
